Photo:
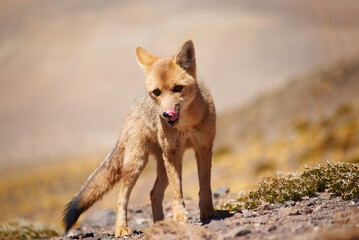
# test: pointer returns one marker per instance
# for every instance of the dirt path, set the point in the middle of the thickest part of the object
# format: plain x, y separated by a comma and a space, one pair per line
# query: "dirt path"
321, 217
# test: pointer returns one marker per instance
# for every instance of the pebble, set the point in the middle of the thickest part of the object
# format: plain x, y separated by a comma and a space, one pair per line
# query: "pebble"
140, 221
250, 214
238, 214
139, 210
290, 203
308, 210
107, 236
318, 209
272, 228
268, 206
194, 219
294, 213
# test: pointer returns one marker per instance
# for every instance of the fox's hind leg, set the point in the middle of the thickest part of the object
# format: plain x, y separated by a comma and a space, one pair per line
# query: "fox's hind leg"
159, 188
204, 165
134, 162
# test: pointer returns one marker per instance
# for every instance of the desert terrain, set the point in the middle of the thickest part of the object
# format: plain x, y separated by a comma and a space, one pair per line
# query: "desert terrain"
284, 76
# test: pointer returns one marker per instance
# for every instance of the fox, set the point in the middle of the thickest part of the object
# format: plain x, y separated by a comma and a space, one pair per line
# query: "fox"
175, 112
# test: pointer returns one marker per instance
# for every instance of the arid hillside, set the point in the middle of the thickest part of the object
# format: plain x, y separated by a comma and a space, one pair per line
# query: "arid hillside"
308, 97
68, 72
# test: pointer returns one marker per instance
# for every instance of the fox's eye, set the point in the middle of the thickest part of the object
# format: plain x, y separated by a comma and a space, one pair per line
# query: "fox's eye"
157, 92
178, 88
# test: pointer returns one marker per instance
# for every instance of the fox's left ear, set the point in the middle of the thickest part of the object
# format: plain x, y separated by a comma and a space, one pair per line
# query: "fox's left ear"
144, 58
186, 59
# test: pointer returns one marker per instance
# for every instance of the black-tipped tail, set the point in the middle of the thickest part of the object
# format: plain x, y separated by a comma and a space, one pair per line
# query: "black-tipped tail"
98, 184
71, 213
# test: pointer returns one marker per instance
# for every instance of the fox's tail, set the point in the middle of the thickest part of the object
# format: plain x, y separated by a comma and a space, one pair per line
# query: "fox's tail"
99, 183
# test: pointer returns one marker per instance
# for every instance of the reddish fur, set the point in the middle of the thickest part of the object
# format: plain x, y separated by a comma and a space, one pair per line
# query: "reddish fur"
145, 131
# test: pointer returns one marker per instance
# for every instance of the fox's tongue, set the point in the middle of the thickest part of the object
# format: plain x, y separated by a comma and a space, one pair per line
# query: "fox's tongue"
172, 113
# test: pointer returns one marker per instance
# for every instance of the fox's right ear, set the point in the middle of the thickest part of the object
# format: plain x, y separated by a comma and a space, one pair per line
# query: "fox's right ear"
144, 58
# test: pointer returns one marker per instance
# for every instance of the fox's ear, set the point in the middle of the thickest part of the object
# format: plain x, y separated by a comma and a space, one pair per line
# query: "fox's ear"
186, 59
144, 58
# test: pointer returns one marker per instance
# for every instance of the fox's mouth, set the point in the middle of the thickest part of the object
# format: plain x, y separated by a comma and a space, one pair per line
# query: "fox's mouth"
174, 122
172, 116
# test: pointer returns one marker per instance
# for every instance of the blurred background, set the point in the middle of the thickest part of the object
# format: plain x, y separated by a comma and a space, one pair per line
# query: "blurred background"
284, 75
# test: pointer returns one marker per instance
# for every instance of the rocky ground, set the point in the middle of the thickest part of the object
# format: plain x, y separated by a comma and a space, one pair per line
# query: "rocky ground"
321, 217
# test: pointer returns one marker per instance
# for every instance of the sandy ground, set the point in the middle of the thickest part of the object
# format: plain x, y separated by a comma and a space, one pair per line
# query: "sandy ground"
323, 217
68, 71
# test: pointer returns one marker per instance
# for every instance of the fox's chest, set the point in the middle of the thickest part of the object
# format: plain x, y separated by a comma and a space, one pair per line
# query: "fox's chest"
181, 139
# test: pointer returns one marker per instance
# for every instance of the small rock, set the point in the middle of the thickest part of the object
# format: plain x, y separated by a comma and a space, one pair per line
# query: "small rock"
195, 219
237, 232
318, 208
238, 215
294, 213
290, 203
272, 228
88, 235
268, 206
139, 210
107, 235
250, 214
140, 221
308, 210
220, 192
135, 232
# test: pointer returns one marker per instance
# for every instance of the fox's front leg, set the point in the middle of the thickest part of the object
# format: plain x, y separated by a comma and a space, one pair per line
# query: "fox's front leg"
204, 165
173, 164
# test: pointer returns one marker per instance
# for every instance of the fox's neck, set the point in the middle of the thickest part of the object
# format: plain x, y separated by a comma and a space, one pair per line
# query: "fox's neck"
195, 112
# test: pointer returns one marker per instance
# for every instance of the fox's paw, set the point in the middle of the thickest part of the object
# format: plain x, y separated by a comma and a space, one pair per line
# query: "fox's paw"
180, 218
211, 213
122, 231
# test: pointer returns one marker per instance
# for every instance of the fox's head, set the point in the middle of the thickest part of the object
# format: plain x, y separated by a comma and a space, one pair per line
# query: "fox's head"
171, 82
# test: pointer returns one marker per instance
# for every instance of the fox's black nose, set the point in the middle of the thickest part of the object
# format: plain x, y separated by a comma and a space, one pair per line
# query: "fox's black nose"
166, 115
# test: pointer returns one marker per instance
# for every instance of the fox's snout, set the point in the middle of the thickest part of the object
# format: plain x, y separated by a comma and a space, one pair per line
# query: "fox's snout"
170, 114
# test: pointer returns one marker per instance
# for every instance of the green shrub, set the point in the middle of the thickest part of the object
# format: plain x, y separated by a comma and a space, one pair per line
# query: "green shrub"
340, 179
26, 230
